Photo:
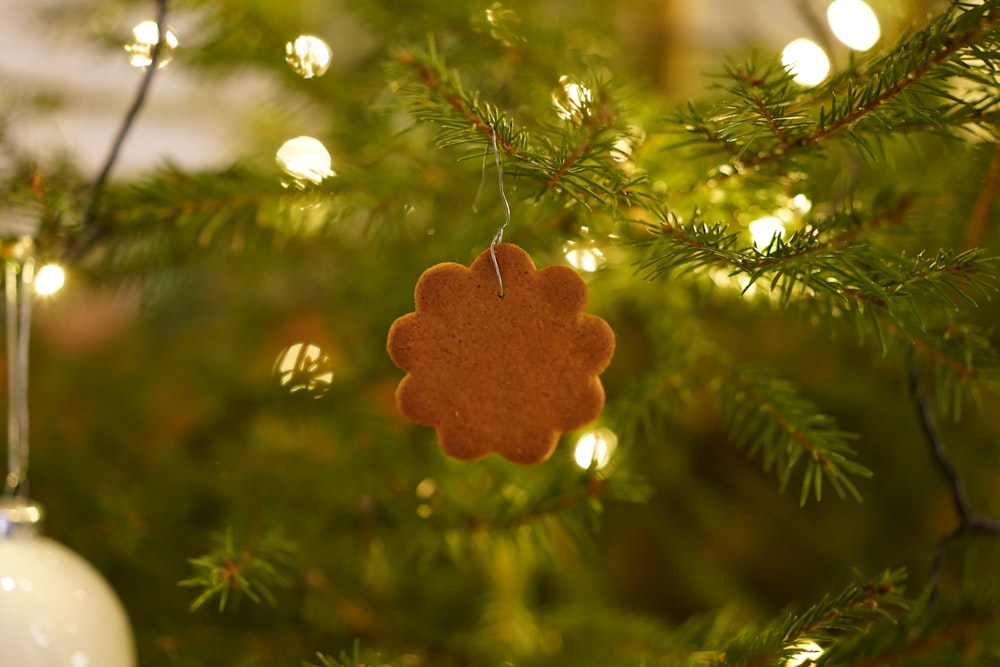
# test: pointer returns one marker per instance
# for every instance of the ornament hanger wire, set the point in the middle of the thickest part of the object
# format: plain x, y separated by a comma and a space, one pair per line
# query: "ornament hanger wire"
19, 271
498, 236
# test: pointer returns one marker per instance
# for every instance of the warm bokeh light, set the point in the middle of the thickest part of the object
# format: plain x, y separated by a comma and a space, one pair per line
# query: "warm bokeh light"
49, 279
584, 257
426, 488
594, 448
303, 367
801, 204
806, 62
144, 38
571, 99
806, 651
504, 24
854, 23
621, 151
308, 56
306, 160
763, 230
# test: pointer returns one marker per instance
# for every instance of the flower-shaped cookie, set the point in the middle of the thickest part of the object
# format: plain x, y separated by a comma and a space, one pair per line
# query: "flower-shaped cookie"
495, 374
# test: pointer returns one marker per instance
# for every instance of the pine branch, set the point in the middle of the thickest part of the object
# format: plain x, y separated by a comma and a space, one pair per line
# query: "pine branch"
227, 571
907, 89
923, 635
569, 507
578, 160
343, 660
767, 416
763, 413
830, 267
853, 612
985, 203
696, 244
907, 66
462, 114
588, 495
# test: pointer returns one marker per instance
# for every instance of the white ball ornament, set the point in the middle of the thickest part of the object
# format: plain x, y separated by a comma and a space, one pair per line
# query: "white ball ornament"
55, 609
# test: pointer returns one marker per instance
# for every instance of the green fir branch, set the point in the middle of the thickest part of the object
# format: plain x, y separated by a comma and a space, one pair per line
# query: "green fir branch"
573, 156
354, 659
769, 417
253, 572
828, 257
766, 118
828, 267
938, 634
572, 503
438, 96
858, 608
762, 413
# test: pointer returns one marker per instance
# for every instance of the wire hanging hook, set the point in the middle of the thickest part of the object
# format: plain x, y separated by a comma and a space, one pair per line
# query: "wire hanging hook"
19, 274
498, 236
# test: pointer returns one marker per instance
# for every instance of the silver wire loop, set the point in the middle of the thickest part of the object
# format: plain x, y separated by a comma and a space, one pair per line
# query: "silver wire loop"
498, 236
19, 274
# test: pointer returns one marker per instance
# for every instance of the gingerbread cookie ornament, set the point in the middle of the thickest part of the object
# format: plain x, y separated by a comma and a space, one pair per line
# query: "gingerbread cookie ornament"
493, 374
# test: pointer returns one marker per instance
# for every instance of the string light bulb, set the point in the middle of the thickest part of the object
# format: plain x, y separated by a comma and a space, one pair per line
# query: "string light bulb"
305, 159
763, 230
308, 56
801, 203
304, 368
807, 652
145, 37
806, 61
594, 449
571, 99
854, 23
584, 257
49, 280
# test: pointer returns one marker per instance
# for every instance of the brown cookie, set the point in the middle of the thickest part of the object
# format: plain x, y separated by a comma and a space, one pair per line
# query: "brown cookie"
493, 374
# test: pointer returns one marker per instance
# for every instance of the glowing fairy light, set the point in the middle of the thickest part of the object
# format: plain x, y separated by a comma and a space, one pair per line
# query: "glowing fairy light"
49, 279
305, 159
426, 488
304, 368
621, 151
594, 448
308, 56
806, 62
584, 257
145, 36
763, 230
807, 652
504, 24
854, 23
801, 203
571, 99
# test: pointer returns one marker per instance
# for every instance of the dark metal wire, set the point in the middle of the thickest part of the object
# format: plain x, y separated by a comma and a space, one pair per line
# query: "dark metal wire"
968, 519
93, 228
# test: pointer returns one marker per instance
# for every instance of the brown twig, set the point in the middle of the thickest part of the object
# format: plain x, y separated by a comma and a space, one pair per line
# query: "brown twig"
821, 134
769, 117
985, 203
869, 599
434, 82
948, 635
892, 215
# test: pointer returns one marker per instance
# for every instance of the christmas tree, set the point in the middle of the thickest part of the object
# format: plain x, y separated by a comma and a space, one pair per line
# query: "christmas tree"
796, 461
